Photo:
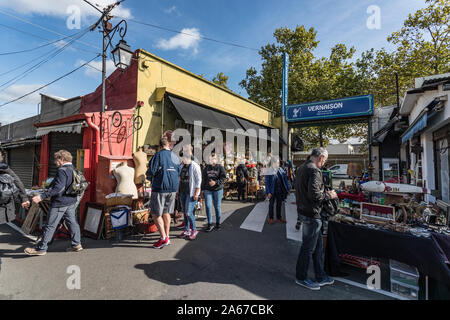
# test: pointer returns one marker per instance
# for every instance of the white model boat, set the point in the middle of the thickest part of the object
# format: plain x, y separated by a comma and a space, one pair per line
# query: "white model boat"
379, 186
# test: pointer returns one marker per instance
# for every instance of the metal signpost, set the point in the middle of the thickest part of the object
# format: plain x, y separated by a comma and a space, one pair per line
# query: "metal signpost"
284, 102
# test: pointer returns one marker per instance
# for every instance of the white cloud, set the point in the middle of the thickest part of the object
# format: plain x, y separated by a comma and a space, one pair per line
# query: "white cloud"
58, 8
18, 90
93, 68
170, 10
62, 44
189, 38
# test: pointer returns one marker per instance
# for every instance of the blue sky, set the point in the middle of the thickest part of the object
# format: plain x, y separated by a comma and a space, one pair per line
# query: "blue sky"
244, 22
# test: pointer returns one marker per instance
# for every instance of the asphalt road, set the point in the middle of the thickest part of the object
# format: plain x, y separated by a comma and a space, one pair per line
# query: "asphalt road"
229, 264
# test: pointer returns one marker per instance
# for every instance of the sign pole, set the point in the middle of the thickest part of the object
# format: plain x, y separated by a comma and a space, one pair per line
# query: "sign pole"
284, 102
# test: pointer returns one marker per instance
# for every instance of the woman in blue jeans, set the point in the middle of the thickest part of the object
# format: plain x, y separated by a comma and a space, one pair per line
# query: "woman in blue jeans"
213, 177
189, 191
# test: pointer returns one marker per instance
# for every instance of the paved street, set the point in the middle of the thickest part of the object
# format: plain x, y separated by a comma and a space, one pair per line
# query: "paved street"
233, 263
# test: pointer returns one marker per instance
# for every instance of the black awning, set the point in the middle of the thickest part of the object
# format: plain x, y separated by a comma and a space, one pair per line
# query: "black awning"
250, 125
191, 112
247, 125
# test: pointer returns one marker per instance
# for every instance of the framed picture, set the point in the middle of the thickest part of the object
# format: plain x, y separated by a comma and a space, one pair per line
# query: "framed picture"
93, 220
370, 211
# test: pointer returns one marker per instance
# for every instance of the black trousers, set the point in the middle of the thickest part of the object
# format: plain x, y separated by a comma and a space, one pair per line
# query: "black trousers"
241, 190
276, 197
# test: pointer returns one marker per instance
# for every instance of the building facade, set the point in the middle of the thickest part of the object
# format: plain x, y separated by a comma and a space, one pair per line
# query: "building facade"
425, 142
150, 97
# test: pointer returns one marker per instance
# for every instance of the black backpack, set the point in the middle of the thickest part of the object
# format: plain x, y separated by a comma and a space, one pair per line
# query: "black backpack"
8, 188
79, 184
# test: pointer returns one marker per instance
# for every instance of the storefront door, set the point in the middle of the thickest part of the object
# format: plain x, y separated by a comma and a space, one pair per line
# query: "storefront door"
67, 141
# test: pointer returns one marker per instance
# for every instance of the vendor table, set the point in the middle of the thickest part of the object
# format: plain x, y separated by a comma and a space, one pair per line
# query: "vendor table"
423, 253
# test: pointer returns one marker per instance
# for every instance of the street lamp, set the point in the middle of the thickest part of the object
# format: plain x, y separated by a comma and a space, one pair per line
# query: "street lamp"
122, 55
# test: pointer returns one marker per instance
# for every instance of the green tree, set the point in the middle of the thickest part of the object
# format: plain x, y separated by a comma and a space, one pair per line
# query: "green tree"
422, 48
310, 79
424, 40
221, 80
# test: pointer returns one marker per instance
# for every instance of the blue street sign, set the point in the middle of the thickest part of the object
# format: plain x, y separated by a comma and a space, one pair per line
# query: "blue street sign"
284, 91
333, 109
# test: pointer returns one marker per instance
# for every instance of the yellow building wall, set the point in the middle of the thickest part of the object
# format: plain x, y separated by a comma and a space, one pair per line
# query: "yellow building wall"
157, 76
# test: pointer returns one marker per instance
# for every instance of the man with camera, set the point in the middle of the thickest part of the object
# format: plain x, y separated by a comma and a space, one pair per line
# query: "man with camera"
310, 197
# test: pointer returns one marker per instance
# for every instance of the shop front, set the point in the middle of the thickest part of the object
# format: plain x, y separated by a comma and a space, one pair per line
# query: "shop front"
149, 98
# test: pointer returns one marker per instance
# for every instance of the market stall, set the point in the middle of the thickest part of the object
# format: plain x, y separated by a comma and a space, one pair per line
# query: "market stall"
384, 220
353, 237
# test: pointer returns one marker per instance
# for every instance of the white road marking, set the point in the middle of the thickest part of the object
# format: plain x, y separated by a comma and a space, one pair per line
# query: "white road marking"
257, 217
291, 219
225, 215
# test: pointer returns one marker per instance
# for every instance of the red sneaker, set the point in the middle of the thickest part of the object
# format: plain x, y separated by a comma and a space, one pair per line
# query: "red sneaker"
167, 241
161, 243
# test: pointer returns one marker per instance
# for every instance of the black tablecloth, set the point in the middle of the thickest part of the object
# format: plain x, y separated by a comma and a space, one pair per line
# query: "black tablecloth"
422, 253
443, 243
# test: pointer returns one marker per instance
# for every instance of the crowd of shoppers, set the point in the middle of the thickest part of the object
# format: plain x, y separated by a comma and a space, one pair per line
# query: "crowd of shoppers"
181, 179
174, 180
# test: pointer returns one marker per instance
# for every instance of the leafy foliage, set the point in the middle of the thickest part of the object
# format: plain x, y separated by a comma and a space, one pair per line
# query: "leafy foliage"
221, 80
422, 48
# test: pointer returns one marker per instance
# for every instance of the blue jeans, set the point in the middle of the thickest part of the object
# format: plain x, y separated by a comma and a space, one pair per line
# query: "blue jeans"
188, 205
312, 245
53, 219
215, 196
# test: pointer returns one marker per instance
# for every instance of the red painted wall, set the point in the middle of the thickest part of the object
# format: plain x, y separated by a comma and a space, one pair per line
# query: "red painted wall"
121, 91
121, 95
44, 158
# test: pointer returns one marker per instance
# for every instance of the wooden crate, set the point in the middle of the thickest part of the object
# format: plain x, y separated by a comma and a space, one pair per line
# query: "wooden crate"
32, 219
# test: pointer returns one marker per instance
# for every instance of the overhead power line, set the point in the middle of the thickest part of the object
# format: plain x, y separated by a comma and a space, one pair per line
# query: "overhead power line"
93, 6
40, 56
46, 29
35, 48
46, 85
45, 58
193, 35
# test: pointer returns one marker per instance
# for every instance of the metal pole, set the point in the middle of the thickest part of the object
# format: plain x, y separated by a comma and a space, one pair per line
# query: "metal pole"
105, 20
398, 93
369, 139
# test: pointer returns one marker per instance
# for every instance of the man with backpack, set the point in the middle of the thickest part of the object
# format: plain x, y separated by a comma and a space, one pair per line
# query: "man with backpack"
63, 203
11, 188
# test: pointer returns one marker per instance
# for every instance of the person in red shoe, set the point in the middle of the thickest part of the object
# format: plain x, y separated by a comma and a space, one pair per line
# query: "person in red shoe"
163, 172
277, 188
